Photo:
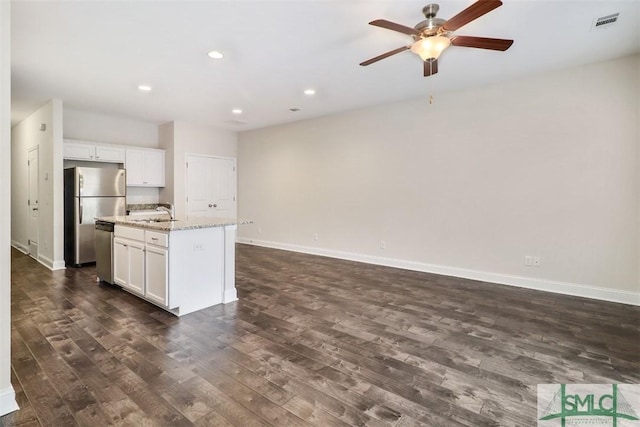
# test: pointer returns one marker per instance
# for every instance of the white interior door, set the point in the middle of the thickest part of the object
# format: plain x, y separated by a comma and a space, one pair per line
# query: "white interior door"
198, 186
211, 186
34, 213
224, 179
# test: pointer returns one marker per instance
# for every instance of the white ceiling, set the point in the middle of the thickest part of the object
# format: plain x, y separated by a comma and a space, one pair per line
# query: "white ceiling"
93, 55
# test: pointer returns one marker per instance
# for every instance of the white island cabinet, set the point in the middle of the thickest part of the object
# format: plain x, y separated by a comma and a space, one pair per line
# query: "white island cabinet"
180, 266
156, 261
128, 259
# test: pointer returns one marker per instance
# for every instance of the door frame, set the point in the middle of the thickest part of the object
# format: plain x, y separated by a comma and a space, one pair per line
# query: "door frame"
31, 247
186, 178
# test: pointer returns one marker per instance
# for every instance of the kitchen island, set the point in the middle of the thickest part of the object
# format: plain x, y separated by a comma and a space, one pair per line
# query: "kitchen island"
180, 266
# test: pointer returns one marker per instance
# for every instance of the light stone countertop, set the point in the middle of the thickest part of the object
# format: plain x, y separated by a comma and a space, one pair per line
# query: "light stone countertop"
175, 225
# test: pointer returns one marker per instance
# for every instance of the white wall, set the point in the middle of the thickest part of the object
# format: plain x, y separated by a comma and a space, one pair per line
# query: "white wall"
7, 394
86, 125
189, 138
25, 136
165, 139
544, 166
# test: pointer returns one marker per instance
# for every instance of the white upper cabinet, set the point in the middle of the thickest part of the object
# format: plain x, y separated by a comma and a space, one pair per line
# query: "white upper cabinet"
92, 152
145, 167
106, 153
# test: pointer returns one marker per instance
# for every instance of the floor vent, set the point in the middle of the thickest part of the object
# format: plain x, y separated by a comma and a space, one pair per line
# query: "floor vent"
605, 21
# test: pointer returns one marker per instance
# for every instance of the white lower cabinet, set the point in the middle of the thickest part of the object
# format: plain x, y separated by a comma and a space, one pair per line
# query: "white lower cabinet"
128, 264
141, 267
181, 271
120, 261
157, 269
136, 267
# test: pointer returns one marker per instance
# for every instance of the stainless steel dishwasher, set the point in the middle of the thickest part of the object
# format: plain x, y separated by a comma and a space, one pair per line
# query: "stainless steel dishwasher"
104, 251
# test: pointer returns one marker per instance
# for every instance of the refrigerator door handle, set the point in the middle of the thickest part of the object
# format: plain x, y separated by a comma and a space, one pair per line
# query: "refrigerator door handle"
80, 210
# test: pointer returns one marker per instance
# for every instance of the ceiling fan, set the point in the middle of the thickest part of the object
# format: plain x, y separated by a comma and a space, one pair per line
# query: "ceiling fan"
433, 35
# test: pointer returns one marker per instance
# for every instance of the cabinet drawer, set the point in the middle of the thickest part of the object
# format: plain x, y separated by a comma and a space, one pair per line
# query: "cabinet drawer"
158, 239
129, 232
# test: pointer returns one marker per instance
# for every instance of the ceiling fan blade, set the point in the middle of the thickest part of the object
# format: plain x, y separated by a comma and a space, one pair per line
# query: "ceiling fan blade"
430, 67
384, 55
383, 23
474, 11
482, 42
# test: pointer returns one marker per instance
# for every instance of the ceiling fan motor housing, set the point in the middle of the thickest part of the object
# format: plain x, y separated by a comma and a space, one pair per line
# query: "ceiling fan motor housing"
430, 26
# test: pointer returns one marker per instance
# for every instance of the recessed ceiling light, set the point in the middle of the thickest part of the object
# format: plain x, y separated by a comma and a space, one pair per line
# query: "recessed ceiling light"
145, 88
215, 54
309, 92
237, 111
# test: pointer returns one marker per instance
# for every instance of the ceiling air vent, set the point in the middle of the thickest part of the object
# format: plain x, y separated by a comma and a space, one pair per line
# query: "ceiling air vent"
236, 122
605, 21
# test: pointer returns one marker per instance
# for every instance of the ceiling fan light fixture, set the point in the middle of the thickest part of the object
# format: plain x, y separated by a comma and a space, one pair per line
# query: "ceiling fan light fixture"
430, 47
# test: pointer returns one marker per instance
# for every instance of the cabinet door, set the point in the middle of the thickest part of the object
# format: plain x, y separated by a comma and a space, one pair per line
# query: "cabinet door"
128, 264
120, 262
77, 151
109, 154
153, 168
145, 167
157, 268
136, 267
134, 160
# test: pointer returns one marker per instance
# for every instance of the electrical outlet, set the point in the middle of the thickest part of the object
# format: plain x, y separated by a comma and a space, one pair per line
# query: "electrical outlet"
315, 236
259, 230
536, 261
383, 244
528, 260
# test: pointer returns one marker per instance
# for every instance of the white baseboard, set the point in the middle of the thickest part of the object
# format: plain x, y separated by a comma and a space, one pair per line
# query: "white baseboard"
51, 264
566, 288
19, 246
59, 265
8, 401
230, 295
47, 262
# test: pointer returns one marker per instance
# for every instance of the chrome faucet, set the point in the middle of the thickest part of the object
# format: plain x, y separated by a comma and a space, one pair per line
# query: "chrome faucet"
168, 208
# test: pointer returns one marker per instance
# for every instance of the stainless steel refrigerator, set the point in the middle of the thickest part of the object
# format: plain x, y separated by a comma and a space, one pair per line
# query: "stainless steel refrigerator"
89, 193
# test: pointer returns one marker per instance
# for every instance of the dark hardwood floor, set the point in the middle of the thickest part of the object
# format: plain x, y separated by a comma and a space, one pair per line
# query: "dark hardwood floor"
312, 341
